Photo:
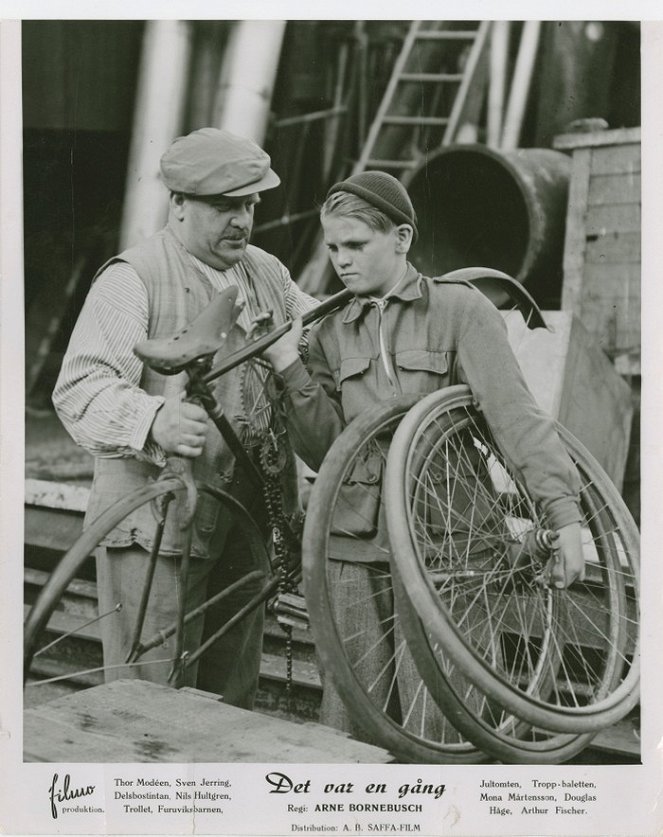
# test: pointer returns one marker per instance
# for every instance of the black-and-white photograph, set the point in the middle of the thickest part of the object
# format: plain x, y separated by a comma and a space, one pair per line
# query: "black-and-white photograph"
332, 413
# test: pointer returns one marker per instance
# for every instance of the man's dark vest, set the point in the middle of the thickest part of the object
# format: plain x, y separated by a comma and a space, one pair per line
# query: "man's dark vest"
177, 292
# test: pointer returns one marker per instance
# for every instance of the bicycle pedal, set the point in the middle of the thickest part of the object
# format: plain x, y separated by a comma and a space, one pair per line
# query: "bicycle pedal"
293, 622
290, 609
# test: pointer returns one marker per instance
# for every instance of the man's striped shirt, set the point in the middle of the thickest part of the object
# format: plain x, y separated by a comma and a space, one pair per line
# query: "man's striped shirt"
97, 394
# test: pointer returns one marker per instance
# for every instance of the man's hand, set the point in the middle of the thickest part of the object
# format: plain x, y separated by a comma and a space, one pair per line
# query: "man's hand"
286, 349
180, 427
570, 563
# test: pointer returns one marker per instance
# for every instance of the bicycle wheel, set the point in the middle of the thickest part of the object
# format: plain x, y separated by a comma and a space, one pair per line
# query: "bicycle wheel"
367, 664
474, 714
464, 533
51, 620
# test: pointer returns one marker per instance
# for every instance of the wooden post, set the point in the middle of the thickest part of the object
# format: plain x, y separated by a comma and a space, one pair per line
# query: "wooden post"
522, 78
332, 127
247, 78
207, 51
157, 121
499, 48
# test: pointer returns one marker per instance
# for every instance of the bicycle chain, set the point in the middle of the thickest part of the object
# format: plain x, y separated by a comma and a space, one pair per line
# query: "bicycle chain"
272, 463
262, 429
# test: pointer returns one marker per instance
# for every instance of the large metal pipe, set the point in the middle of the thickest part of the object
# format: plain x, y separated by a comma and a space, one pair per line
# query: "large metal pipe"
247, 77
477, 206
158, 115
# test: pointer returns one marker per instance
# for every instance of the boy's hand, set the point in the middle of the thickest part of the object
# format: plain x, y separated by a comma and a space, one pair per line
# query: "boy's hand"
570, 563
286, 349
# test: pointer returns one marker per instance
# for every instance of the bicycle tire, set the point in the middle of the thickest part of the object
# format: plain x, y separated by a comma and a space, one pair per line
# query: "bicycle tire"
36, 623
446, 425
370, 705
494, 730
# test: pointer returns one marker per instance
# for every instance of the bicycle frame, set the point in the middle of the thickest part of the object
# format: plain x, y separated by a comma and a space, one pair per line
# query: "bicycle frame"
198, 389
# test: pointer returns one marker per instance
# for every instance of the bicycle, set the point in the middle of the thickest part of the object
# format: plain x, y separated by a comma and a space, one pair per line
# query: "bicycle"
174, 495
420, 732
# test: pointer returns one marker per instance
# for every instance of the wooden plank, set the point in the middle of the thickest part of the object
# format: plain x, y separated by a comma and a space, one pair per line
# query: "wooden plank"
304, 673
568, 142
616, 283
613, 219
610, 307
614, 189
56, 495
51, 455
135, 721
622, 738
575, 240
622, 248
65, 621
84, 590
596, 403
616, 158
54, 529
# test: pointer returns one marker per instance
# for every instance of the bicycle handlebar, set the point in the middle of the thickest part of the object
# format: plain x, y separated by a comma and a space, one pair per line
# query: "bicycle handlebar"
334, 302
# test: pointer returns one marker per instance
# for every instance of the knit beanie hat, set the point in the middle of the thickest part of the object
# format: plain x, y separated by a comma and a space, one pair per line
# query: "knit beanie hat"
383, 191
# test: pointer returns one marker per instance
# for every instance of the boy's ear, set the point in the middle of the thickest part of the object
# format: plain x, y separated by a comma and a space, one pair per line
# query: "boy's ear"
404, 233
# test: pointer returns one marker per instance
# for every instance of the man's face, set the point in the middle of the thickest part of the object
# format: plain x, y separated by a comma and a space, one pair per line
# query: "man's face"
367, 261
215, 229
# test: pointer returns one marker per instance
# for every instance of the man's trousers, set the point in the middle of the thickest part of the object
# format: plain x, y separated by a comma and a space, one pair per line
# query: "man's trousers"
231, 666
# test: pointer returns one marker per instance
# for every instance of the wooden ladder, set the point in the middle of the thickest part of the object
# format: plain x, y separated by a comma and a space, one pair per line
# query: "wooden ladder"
422, 59
437, 86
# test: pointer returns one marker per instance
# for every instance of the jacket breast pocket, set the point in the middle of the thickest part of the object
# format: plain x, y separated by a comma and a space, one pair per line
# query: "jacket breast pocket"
353, 382
350, 367
421, 370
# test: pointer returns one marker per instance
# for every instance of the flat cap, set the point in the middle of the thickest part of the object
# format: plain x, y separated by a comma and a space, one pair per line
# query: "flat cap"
213, 161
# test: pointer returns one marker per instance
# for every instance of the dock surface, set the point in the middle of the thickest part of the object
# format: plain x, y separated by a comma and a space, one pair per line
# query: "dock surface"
136, 721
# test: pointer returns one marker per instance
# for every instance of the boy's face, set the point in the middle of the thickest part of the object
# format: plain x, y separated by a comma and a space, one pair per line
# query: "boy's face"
367, 261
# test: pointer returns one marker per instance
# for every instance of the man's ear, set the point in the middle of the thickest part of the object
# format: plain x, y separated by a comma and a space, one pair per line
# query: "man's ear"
177, 201
404, 233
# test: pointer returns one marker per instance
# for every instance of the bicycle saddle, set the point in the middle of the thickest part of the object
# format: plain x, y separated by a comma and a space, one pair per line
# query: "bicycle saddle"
203, 336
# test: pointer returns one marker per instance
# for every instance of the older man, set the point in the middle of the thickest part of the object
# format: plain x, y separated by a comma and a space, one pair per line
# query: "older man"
131, 418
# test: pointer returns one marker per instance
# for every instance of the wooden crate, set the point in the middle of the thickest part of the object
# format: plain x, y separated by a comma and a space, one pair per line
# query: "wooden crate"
573, 380
602, 247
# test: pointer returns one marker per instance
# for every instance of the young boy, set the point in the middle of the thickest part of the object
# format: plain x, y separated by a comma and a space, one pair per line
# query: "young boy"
406, 333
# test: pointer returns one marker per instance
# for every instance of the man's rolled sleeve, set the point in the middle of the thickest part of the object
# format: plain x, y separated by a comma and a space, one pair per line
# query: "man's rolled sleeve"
98, 396
140, 440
